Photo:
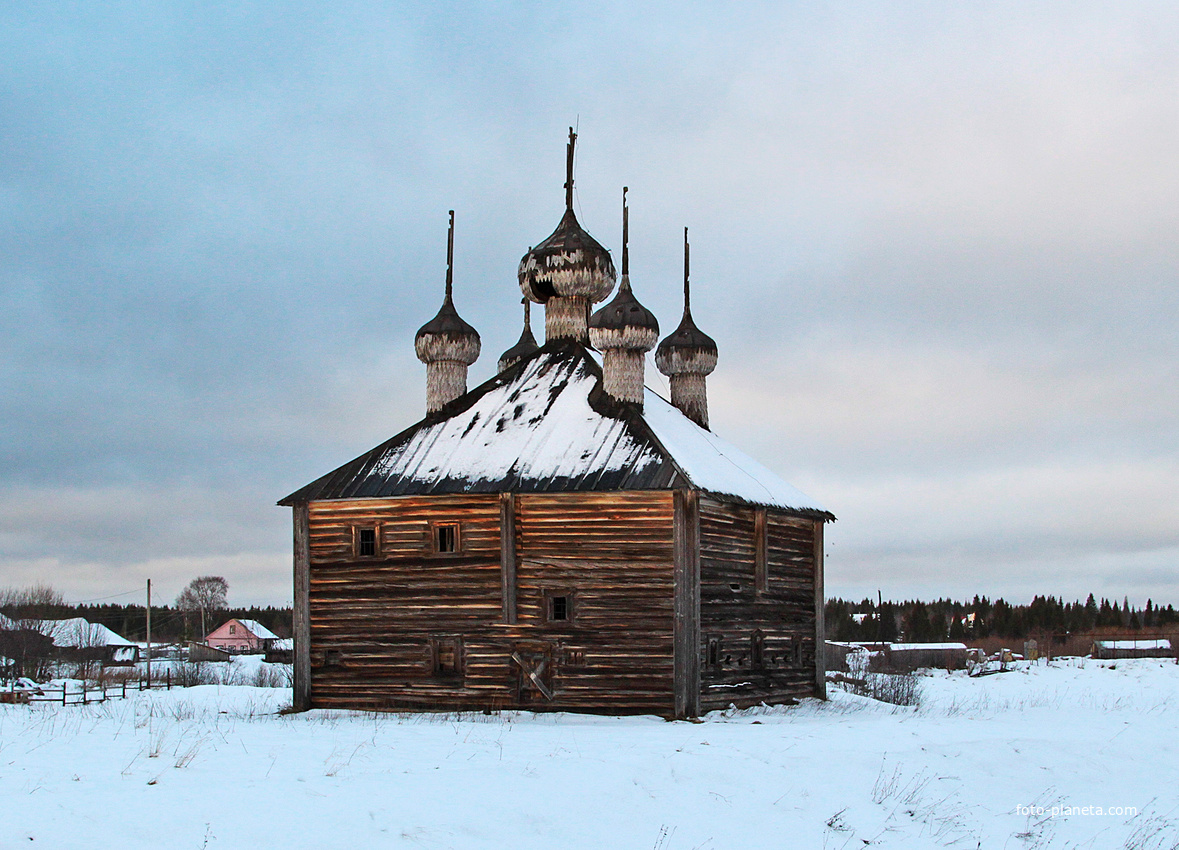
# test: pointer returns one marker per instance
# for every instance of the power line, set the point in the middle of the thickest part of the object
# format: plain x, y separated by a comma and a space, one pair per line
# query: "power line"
113, 596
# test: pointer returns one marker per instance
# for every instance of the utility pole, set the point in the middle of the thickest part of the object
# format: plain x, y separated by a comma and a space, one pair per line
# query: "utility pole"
149, 634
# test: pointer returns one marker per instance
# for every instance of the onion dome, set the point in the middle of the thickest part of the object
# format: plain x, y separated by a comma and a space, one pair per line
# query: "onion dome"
447, 337
624, 331
446, 344
687, 356
523, 349
687, 349
570, 263
624, 322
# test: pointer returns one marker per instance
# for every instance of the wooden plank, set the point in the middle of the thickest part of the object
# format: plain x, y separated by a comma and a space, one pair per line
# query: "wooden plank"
761, 571
686, 635
507, 555
302, 608
820, 608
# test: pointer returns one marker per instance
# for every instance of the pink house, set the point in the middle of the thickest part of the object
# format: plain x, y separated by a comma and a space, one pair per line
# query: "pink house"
241, 636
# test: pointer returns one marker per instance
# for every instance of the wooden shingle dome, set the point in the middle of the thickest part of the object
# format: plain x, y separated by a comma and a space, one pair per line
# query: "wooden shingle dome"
568, 271
524, 348
446, 344
687, 356
624, 331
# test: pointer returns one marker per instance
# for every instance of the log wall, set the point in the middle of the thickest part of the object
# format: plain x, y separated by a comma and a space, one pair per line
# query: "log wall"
757, 606
409, 627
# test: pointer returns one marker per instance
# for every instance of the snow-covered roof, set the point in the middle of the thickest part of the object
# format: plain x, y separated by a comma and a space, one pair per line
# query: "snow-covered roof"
1160, 643
258, 630
78, 632
546, 425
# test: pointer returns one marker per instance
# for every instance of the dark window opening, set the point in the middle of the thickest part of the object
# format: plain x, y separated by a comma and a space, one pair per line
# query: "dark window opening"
735, 587
714, 656
366, 542
331, 658
446, 537
559, 606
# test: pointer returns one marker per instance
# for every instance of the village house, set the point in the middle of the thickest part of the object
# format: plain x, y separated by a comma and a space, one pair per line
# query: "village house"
559, 537
248, 636
76, 639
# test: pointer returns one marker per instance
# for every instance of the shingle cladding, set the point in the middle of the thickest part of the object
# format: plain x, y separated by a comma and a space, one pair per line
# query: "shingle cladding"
543, 426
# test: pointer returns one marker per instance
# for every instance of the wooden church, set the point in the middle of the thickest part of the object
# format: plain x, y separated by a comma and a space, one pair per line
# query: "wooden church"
559, 537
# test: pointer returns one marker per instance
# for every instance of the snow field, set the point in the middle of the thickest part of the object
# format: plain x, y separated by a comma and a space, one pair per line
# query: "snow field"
215, 766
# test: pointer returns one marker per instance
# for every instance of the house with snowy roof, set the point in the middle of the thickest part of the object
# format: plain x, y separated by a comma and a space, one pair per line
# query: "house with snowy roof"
77, 639
559, 537
241, 635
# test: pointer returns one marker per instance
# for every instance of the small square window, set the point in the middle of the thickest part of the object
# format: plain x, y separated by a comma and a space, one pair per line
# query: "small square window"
559, 605
446, 537
366, 542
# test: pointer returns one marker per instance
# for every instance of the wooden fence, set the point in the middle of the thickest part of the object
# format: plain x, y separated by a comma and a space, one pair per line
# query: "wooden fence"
86, 694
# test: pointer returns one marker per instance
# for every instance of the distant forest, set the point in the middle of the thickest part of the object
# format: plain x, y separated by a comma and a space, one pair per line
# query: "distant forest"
914, 621
945, 619
168, 624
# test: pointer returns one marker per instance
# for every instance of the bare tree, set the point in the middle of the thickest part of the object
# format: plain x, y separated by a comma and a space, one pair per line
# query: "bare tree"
22, 629
204, 593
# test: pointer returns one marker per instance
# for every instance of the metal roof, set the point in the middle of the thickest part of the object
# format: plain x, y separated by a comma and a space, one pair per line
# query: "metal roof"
546, 425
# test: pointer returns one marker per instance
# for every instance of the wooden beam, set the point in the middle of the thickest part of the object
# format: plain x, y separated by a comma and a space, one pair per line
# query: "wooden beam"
302, 612
686, 639
761, 569
507, 554
820, 609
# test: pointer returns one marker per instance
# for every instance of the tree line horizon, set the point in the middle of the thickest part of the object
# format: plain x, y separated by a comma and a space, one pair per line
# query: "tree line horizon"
914, 620
917, 621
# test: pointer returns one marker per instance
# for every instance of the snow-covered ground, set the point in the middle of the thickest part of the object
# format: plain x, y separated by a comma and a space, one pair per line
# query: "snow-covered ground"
215, 766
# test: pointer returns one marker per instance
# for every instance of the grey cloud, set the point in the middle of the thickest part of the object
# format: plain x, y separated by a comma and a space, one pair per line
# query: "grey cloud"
935, 245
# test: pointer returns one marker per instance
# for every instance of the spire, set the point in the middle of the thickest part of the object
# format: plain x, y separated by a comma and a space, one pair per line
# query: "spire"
569, 169
446, 344
450, 259
687, 357
624, 331
625, 235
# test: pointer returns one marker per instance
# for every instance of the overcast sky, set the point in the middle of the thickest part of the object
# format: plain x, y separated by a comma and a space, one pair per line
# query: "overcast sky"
936, 244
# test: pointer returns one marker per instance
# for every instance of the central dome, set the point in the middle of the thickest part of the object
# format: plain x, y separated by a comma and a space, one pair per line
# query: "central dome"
570, 263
